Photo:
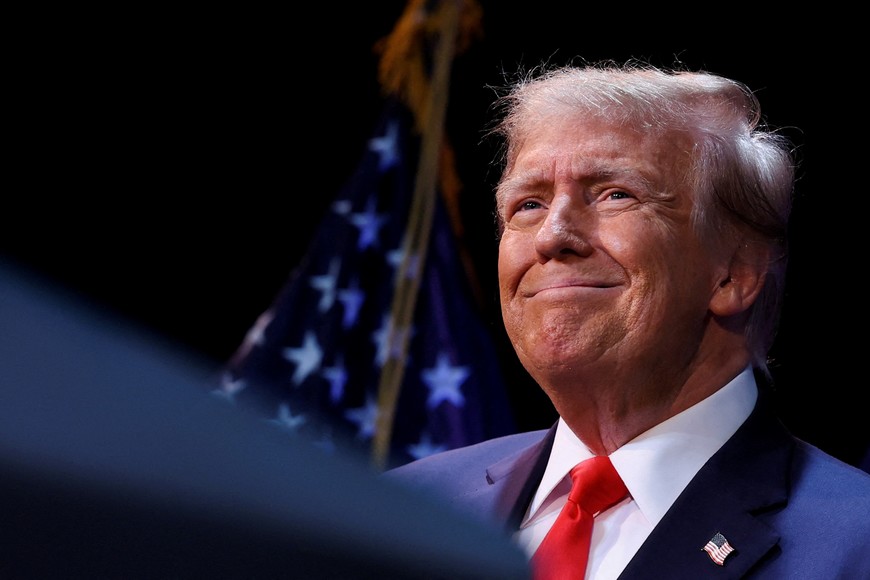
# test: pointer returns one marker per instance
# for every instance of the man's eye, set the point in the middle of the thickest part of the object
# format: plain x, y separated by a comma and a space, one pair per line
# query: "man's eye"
619, 195
529, 205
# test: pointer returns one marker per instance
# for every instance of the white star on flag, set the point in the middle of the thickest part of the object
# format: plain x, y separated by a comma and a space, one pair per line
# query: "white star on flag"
395, 258
445, 382
229, 387
352, 299
385, 146
307, 358
368, 224
424, 447
365, 418
389, 344
287, 419
337, 377
326, 285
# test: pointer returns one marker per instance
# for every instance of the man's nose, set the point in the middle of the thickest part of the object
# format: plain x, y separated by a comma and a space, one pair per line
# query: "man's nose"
565, 230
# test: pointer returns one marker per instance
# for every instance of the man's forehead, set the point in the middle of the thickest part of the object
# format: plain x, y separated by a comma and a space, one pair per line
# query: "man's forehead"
598, 155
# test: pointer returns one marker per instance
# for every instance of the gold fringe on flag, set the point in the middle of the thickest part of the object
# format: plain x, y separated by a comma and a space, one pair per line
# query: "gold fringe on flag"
415, 66
404, 71
406, 53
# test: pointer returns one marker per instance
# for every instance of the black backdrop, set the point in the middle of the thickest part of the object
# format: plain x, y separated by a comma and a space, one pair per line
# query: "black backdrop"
171, 165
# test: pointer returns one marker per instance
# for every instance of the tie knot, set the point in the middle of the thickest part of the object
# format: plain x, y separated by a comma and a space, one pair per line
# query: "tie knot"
596, 485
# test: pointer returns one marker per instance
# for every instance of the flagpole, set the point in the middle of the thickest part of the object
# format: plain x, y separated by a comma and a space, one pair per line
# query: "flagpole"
416, 241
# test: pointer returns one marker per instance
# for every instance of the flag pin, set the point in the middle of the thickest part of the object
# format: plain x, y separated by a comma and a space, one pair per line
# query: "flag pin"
718, 549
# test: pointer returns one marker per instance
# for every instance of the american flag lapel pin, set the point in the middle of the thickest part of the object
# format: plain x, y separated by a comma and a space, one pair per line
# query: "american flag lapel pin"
718, 549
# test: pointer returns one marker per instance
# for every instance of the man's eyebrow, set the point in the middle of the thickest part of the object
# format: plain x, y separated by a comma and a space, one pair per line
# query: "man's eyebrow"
522, 181
637, 178
589, 174
592, 170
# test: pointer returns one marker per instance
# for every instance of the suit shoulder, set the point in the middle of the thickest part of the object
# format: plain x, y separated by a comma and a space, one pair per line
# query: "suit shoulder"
476, 456
823, 484
824, 525
820, 469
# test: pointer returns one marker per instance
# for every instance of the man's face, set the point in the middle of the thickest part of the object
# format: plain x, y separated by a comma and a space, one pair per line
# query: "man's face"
599, 268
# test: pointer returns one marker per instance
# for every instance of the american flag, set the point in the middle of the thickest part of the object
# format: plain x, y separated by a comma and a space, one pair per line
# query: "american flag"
718, 548
312, 362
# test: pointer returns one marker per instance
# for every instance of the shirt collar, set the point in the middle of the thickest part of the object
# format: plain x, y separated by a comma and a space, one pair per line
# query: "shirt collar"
658, 464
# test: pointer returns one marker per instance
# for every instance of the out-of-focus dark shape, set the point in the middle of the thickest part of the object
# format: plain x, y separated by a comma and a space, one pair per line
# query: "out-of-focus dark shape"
116, 462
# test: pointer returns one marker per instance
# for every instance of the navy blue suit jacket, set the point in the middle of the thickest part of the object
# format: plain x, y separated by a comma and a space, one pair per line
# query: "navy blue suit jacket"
789, 510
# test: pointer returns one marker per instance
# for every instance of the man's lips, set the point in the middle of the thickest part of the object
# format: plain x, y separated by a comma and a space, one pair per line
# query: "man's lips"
567, 287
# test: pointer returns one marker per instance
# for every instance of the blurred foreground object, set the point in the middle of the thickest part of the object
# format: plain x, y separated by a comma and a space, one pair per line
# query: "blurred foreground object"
114, 462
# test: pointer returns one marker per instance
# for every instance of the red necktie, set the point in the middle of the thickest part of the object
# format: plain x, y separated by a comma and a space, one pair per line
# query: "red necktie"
565, 550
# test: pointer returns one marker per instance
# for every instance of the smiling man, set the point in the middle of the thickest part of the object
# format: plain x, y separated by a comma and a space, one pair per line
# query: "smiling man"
643, 217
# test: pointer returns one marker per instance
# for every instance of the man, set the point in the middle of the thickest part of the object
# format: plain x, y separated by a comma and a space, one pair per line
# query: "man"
643, 218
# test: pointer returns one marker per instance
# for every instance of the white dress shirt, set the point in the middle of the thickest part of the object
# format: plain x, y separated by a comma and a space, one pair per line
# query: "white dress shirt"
656, 466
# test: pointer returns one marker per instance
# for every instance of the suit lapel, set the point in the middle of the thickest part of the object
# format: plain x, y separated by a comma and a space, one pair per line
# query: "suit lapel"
747, 475
511, 482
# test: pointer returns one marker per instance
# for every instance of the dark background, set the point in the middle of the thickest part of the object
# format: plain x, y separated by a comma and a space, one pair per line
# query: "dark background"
171, 165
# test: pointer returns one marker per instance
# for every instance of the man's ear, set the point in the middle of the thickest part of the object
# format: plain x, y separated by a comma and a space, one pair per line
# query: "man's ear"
739, 287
